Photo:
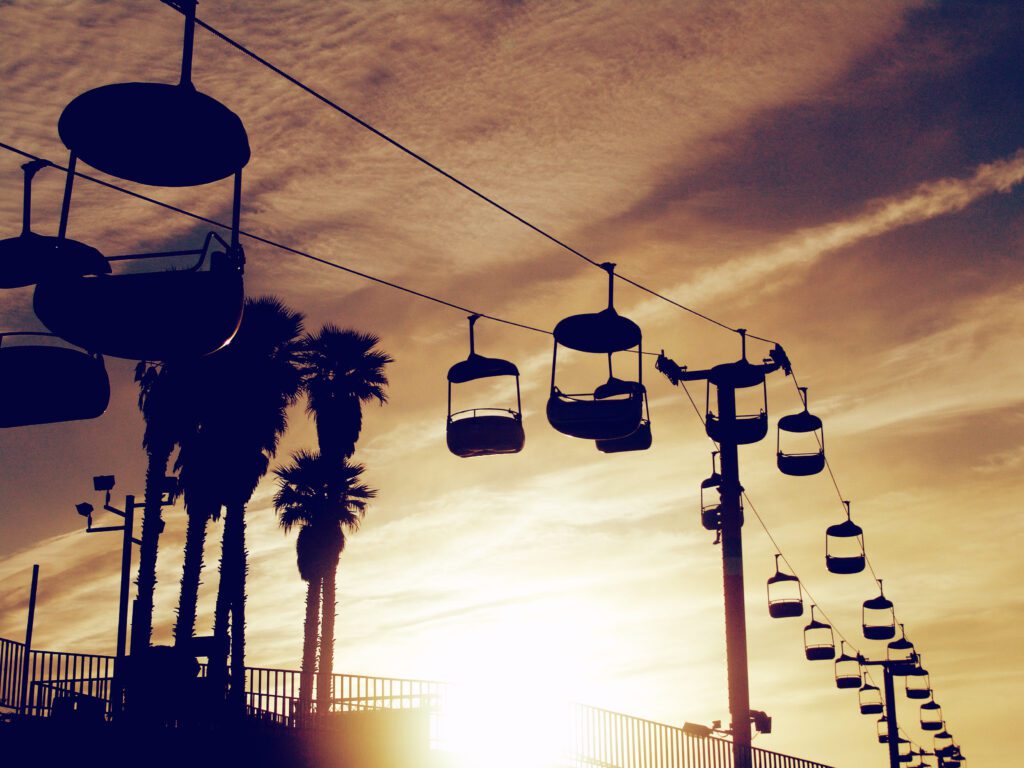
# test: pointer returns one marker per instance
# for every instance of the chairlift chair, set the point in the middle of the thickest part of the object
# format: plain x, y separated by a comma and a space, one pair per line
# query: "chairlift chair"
882, 729
710, 499
782, 603
30, 257
943, 741
483, 431
819, 640
918, 682
42, 384
879, 617
801, 464
847, 669
157, 133
900, 655
727, 426
848, 539
870, 700
615, 408
905, 753
931, 716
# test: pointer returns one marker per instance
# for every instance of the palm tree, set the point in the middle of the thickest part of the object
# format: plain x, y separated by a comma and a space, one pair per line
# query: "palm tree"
325, 499
248, 387
341, 370
197, 478
161, 404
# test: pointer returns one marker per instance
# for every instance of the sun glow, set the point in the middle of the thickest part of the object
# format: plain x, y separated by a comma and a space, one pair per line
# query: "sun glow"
513, 680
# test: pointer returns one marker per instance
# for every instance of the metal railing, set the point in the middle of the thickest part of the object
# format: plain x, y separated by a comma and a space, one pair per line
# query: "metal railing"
593, 738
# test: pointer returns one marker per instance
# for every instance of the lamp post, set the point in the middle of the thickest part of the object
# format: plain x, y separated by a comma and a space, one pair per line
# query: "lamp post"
106, 483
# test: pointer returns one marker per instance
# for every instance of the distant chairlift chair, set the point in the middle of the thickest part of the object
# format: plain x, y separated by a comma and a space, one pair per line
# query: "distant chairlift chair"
844, 546
801, 464
879, 617
483, 431
785, 595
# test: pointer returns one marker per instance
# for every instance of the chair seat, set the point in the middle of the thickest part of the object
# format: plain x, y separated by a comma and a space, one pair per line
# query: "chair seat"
879, 633
801, 464
743, 430
785, 609
43, 385
848, 681
640, 440
486, 435
820, 652
150, 316
29, 258
155, 133
591, 419
845, 565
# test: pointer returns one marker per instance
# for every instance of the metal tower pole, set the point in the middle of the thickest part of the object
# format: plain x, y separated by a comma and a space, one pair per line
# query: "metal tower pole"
730, 492
890, 716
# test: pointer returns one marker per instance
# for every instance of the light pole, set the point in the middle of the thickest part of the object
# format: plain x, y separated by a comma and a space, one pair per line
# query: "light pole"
106, 483
731, 430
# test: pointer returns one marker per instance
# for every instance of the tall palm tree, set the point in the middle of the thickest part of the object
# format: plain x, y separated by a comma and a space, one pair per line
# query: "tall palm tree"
341, 370
161, 404
325, 499
248, 387
197, 465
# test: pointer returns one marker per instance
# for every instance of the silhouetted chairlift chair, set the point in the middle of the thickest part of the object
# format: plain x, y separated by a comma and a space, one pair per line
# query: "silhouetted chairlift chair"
882, 729
483, 431
615, 409
870, 700
931, 716
785, 595
819, 640
710, 498
740, 429
847, 670
943, 740
904, 750
29, 257
801, 464
879, 617
169, 315
42, 384
844, 546
918, 682
900, 655
156, 133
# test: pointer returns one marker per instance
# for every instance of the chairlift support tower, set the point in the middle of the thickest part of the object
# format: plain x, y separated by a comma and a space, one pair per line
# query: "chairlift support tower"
727, 378
889, 670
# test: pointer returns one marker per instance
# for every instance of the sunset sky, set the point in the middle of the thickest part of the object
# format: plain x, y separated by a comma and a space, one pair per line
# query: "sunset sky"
845, 177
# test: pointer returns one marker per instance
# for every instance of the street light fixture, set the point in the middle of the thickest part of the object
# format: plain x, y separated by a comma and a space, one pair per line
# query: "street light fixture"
106, 483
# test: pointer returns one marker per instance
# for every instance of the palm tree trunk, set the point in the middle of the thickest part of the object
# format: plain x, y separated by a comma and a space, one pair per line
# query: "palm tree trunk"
309, 640
191, 573
237, 598
326, 671
152, 525
222, 611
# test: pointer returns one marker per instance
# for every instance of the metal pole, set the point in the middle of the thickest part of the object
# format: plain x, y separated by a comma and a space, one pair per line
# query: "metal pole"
23, 701
890, 715
122, 606
732, 571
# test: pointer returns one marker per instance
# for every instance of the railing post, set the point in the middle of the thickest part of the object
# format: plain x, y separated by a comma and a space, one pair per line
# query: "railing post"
23, 699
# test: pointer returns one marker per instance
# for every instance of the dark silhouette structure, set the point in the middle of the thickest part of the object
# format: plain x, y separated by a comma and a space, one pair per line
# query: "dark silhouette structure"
483, 431
803, 463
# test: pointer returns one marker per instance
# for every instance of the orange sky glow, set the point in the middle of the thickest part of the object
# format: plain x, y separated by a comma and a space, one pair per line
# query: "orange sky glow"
844, 177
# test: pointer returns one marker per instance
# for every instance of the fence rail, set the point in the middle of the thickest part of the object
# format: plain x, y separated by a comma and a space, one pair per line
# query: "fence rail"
593, 738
